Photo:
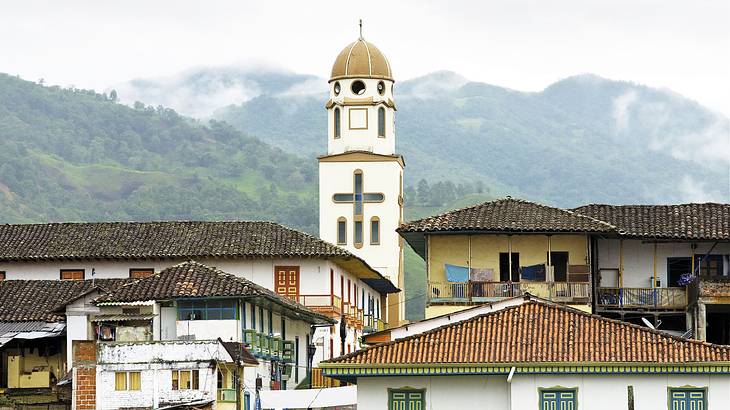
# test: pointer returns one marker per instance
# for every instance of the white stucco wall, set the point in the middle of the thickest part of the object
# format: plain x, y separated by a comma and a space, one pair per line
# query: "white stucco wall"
361, 139
595, 392
639, 260
382, 177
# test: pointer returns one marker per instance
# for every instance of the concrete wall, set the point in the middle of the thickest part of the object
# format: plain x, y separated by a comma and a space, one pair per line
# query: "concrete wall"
638, 260
595, 392
485, 250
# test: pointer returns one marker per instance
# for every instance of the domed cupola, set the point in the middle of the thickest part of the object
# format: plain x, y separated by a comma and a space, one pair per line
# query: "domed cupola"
361, 59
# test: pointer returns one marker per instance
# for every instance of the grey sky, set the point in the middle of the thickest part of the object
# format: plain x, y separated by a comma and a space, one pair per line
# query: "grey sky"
526, 45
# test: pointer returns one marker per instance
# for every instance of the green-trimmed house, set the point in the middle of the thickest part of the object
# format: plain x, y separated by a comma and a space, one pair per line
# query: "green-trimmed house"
538, 355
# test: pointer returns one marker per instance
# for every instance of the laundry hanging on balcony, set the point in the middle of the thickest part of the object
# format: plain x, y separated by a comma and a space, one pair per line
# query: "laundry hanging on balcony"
534, 272
481, 274
456, 273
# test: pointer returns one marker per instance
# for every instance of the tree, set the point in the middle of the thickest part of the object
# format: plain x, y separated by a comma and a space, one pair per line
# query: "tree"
424, 191
113, 96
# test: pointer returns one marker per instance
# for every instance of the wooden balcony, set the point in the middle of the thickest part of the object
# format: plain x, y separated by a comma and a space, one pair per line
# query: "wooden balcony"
320, 381
478, 292
328, 305
641, 298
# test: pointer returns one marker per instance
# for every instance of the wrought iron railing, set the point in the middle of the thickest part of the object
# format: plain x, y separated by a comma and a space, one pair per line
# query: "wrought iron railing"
460, 292
642, 298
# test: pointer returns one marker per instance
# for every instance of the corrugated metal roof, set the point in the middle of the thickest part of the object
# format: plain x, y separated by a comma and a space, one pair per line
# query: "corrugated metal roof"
121, 318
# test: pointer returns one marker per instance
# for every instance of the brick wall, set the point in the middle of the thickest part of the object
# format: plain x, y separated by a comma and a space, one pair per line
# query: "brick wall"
84, 382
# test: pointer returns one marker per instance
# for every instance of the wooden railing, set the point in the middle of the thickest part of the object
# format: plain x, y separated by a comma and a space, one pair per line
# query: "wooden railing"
642, 298
319, 381
465, 292
330, 305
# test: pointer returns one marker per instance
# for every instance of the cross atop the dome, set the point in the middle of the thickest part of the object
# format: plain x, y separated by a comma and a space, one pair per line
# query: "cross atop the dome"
360, 29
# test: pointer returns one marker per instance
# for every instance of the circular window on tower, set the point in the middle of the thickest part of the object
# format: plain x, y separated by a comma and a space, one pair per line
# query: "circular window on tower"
381, 88
337, 88
358, 87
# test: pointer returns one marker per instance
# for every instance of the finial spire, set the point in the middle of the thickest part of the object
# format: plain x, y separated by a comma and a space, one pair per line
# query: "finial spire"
360, 29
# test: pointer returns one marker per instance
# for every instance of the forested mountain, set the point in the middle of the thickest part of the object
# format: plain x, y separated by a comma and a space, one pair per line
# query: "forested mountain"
584, 139
70, 155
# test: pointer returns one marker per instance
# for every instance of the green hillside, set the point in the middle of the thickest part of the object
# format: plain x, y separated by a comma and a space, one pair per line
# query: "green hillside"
584, 139
71, 155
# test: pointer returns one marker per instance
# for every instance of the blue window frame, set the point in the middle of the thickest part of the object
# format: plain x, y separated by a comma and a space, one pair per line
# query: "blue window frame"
253, 317
687, 398
261, 317
207, 309
558, 399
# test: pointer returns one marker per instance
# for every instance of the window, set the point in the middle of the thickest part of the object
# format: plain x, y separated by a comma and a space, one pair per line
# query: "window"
504, 275
337, 88
374, 230
127, 381
185, 380
381, 88
2, 275
72, 274
358, 233
338, 122
253, 317
135, 273
406, 399
358, 192
709, 265
214, 309
381, 122
559, 399
342, 231
261, 319
358, 87
688, 398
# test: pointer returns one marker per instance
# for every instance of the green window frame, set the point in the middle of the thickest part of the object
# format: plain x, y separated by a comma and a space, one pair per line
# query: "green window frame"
687, 398
558, 398
406, 399
207, 309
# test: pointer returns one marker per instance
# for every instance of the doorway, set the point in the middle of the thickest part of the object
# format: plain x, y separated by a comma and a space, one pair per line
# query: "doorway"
559, 262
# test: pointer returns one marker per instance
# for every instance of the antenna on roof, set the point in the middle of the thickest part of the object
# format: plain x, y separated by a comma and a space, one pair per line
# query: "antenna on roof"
360, 29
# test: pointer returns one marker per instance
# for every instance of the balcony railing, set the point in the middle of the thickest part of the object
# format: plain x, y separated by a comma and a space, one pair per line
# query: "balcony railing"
319, 380
470, 292
330, 305
642, 298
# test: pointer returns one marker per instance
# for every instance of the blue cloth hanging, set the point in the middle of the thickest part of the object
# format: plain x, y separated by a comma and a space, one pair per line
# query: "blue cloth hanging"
457, 273
534, 272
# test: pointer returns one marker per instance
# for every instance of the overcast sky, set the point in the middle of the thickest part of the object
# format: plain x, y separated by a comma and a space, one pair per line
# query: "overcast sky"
682, 45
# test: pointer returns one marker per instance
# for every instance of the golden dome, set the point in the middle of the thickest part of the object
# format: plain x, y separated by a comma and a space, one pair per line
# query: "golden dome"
361, 60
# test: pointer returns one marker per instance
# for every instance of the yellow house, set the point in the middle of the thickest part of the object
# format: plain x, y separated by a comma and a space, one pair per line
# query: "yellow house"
505, 248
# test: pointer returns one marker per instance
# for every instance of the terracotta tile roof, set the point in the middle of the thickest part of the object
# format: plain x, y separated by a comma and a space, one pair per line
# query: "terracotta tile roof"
38, 300
192, 279
536, 332
508, 215
708, 221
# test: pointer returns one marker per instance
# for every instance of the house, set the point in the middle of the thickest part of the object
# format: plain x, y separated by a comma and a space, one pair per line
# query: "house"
161, 374
191, 301
538, 355
504, 248
668, 262
324, 277
33, 349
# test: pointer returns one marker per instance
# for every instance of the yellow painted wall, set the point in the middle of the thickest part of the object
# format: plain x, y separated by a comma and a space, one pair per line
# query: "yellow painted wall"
438, 310
20, 368
485, 250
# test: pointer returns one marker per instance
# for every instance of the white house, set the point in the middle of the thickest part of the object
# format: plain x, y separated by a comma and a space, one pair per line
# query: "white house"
325, 278
537, 355
161, 374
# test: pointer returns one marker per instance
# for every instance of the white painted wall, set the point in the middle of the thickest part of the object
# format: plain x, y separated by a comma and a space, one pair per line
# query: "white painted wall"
382, 177
595, 392
639, 260
227, 330
361, 139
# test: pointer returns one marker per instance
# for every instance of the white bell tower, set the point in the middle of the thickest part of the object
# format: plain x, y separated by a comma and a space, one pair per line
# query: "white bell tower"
361, 177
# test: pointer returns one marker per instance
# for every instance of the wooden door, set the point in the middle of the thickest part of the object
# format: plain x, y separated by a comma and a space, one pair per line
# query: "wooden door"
286, 281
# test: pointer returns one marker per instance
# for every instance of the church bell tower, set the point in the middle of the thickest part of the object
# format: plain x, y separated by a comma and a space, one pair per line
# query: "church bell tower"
361, 177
